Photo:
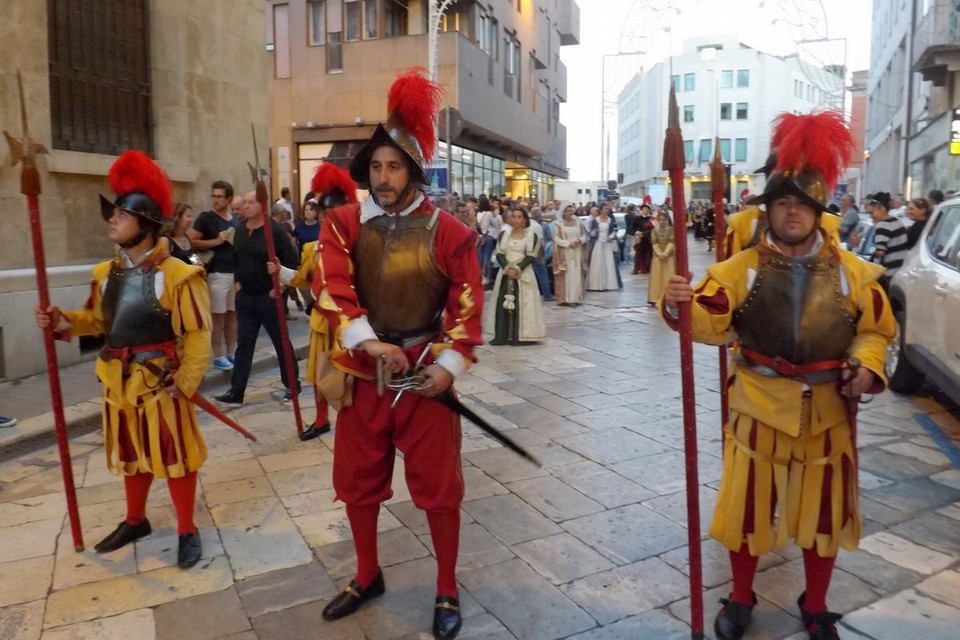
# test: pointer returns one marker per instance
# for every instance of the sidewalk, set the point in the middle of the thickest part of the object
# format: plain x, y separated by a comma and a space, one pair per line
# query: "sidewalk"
28, 399
592, 546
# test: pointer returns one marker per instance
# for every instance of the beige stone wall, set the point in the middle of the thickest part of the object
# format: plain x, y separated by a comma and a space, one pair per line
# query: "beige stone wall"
209, 83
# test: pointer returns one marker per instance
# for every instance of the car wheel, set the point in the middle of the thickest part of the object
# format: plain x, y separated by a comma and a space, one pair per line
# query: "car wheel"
902, 376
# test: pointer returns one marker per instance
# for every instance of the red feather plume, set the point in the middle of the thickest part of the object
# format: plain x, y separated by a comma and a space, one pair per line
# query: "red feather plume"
820, 142
134, 171
415, 100
329, 177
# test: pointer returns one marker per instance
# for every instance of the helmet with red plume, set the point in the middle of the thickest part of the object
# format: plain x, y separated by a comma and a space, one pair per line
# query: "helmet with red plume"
142, 189
333, 186
412, 107
812, 152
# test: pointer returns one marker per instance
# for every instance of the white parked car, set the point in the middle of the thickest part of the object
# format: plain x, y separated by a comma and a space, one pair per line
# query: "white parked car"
925, 294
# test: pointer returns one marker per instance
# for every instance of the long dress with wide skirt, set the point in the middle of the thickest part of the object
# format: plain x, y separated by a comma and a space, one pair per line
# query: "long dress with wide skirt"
663, 263
568, 263
516, 312
603, 274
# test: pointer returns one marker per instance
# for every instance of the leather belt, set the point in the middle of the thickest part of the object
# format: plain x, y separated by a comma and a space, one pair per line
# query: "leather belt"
139, 353
407, 339
811, 373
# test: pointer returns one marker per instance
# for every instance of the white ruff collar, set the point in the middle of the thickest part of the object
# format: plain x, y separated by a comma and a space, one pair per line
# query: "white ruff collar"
370, 209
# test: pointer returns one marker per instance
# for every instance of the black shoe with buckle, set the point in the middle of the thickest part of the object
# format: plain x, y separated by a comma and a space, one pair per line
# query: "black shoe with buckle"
312, 431
820, 626
354, 595
732, 620
123, 535
189, 550
446, 618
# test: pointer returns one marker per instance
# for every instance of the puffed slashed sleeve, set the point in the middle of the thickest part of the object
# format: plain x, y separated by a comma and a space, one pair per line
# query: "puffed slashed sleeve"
712, 310
87, 321
876, 326
464, 304
191, 321
333, 284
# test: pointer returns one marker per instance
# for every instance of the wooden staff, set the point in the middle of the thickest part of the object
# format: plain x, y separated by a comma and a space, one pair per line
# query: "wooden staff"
277, 287
25, 151
718, 180
674, 163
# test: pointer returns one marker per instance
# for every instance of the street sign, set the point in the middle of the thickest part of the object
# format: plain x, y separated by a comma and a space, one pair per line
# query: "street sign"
955, 133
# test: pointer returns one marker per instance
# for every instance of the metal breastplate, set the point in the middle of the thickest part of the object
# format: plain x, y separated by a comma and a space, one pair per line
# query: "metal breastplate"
131, 312
796, 310
398, 280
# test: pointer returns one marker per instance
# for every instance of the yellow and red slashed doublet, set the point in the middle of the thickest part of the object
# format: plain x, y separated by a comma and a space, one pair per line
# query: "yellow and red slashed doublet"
320, 336
145, 430
368, 430
789, 463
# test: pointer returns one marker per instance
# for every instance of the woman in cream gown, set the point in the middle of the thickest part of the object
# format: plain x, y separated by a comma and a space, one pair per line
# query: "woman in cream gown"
569, 240
516, 312
663, 264
603, 274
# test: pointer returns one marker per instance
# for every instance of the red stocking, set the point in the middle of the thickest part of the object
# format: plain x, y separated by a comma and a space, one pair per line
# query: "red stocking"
183, 491
363, 524
323, 411
818, 571
445, 532
137, 488
744, 567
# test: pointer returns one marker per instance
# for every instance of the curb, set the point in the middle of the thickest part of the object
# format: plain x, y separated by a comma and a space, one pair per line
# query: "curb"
84, 417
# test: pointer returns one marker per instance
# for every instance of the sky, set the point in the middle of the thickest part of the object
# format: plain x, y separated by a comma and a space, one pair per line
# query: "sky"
649, 30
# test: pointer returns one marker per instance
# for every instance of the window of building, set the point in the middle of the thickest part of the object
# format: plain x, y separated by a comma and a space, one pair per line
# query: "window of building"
706, 150
689, 82
726, 111
676, 83
688, 113
511, 66
353, 19
281, 40
334, 52
395, 20
725, 149
99, 75
371, 20
741, 111
317, 22
726, 79
740, 150
743, 77
688, 150
487, 29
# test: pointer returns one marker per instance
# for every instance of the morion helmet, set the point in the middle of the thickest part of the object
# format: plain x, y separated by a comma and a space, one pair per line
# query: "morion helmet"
142, 189
812, 151
332, 186
413, 103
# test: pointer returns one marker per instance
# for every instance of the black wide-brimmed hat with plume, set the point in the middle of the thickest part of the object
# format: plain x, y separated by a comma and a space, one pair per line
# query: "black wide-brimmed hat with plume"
413, 104
142, 189
812, 151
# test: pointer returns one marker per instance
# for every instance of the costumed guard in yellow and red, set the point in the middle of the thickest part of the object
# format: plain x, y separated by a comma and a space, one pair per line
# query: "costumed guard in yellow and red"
813, 326
333, 188
401, 282
154, 312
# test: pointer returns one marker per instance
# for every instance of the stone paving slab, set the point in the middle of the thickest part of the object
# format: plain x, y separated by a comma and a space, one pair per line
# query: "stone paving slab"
203, 617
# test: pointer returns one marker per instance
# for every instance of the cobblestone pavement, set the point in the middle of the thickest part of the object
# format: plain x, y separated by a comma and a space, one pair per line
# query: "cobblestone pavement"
590, 547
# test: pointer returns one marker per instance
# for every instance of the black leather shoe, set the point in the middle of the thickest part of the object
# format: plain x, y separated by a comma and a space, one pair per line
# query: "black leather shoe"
820, 626
229, 398
732, 620
123, 535
446, 618
352, 597
189, 550
312, 431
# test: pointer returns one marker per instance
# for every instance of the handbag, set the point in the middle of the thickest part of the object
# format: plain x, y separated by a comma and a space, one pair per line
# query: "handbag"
334, 385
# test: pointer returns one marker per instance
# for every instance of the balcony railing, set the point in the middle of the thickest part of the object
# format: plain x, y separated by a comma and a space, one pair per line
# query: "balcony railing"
939, 28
